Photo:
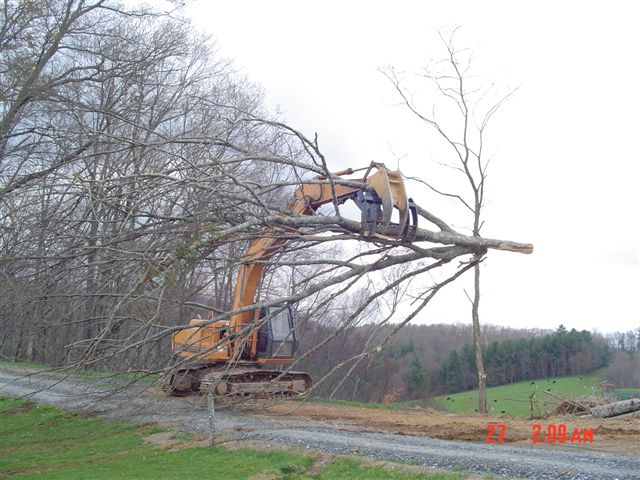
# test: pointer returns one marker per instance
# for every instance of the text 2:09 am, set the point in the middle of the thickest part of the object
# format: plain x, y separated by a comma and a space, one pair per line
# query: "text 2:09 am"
552, 433
560, 434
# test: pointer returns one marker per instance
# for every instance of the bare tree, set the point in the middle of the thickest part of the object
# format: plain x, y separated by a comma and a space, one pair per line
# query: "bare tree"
136, 167
460, 117
105, 112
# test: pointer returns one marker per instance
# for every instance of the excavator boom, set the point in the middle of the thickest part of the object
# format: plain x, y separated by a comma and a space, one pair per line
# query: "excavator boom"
228, 357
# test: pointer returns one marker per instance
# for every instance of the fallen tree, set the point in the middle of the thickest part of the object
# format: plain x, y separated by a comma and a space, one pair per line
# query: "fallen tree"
616, 408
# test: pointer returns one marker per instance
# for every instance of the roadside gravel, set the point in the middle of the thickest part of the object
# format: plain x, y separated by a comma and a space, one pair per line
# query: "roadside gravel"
137, 404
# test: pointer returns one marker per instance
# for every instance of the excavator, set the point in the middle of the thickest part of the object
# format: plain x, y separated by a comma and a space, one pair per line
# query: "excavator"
244, 355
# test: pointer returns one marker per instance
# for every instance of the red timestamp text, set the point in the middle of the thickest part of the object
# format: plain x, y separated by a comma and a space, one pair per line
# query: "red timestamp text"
552, 433
495, 432
559, 433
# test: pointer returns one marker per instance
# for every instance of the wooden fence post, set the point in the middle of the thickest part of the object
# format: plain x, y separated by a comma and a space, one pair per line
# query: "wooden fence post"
212, 411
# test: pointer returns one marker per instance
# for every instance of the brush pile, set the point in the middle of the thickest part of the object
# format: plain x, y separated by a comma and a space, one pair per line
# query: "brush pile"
600, 407
579, 406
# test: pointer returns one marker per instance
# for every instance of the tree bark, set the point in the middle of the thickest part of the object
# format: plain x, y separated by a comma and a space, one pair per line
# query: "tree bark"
422, 235
482, 376
616, 408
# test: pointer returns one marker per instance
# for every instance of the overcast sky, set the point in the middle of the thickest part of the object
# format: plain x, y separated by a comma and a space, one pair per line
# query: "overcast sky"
565, 164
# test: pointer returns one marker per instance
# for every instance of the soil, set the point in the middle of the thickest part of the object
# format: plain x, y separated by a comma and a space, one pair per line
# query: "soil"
612, 435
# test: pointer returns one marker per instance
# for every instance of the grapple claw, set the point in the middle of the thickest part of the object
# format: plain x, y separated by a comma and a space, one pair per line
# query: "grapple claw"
382, 191
412, 230
379, 183
369, 205
389, 187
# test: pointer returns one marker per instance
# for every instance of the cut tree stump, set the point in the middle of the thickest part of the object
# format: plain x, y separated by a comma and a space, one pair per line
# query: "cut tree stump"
616, 408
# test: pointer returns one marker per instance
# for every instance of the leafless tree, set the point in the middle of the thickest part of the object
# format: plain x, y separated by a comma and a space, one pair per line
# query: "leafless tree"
135, 168
113, 122
459, 111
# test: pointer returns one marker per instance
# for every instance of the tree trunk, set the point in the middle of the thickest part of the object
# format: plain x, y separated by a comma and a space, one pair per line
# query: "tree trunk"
482, 376
616, 408
635, 414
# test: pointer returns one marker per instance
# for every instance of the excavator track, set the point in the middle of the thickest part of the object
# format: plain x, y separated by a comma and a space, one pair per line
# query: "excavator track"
254, 382
235, 382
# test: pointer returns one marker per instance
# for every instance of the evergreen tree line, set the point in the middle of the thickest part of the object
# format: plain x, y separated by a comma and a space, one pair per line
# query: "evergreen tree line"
406, 369
556, 354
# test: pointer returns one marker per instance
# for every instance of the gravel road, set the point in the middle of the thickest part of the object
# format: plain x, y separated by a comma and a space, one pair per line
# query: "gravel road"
133, 403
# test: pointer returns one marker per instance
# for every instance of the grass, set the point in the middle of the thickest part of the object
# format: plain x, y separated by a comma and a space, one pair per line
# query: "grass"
377, 406
513, 399
182, 435
141, 377
25, 363
347, 468
47, 443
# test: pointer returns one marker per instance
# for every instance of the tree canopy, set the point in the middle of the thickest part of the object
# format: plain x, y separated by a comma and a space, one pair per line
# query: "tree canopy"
135, 168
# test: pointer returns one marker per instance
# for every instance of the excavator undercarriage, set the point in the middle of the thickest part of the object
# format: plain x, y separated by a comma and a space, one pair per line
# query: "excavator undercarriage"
239, 381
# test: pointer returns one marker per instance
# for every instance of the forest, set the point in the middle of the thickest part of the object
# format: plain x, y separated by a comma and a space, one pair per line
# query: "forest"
560, 353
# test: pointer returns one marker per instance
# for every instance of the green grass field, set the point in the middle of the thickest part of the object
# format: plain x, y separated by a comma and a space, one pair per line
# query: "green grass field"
47, 443
513, 399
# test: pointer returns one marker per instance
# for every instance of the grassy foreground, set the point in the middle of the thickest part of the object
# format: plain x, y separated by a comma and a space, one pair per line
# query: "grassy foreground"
47, 443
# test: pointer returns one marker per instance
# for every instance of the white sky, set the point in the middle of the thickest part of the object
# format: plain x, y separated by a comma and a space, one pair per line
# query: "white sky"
565, 163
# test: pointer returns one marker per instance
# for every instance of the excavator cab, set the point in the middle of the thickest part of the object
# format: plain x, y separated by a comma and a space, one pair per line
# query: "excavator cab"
276, 336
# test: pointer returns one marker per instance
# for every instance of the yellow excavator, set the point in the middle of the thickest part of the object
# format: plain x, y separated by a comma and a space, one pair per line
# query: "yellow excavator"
240, 355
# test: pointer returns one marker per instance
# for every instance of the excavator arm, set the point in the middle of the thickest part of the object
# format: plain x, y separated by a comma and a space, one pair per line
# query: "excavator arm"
376, 198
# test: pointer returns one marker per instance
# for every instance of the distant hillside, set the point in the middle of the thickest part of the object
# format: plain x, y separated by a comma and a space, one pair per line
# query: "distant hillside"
513, 399
555, 354
408, 368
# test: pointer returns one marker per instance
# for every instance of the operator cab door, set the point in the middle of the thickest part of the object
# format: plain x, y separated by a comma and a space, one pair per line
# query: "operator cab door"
276, 337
